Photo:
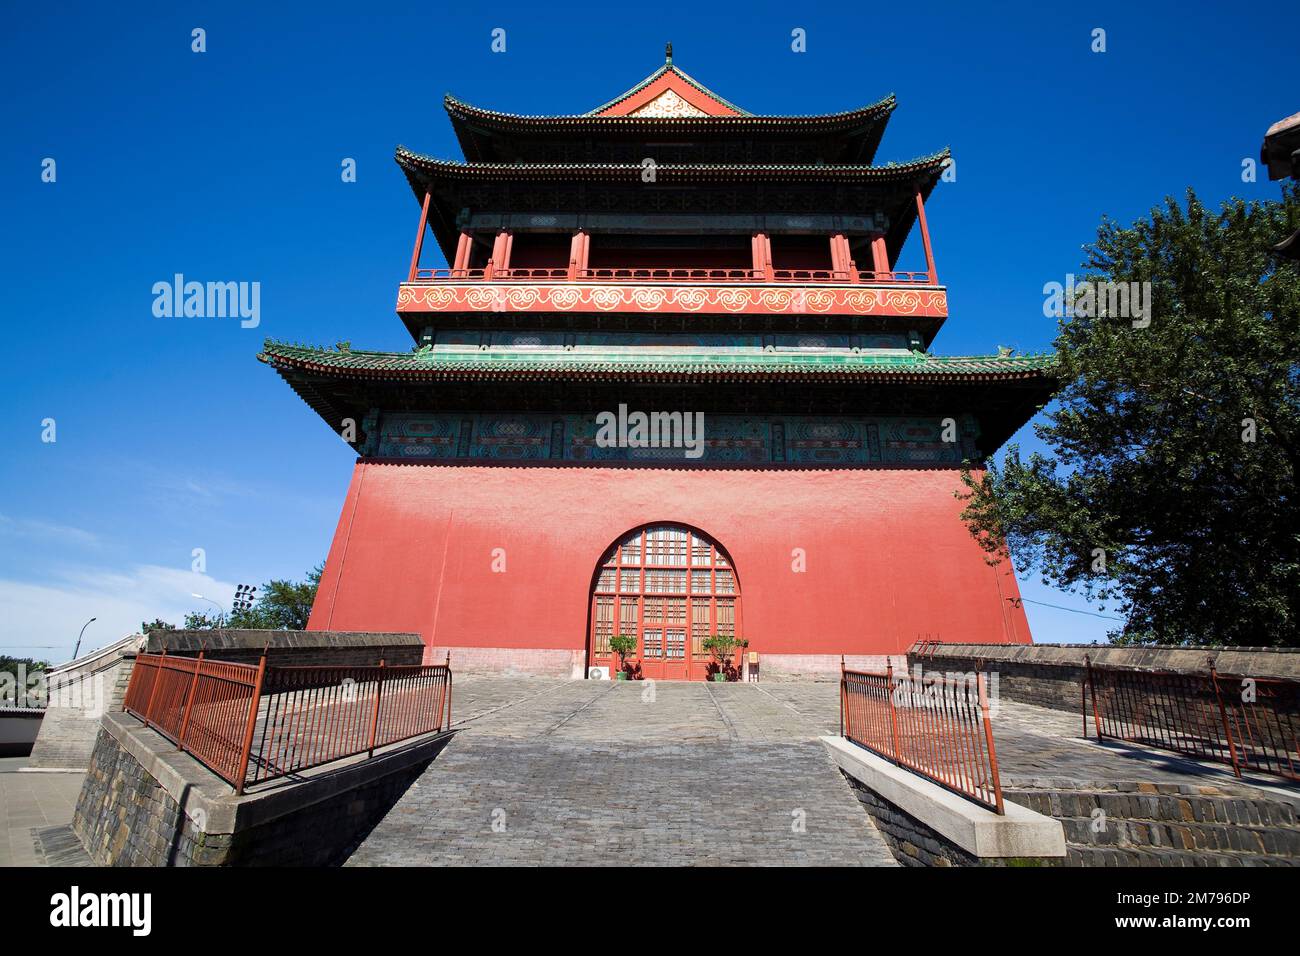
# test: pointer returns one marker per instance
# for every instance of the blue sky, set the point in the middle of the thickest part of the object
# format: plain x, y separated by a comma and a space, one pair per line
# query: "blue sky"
225, 165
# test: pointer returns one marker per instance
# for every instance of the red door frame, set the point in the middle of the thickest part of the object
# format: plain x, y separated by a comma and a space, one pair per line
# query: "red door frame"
628, 584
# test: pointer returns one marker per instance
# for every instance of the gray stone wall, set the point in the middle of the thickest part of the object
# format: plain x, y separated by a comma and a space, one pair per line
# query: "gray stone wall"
1166, 824
914, 843
911, 841
293, 648
126, 816
1051, 675
1120, 824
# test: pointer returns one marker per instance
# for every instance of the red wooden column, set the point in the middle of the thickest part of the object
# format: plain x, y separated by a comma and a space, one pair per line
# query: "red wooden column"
925, 238
463, 246
500, 260
842, 257
419, 239
579, 249
837, 255
501, 251
761, 247
879, 258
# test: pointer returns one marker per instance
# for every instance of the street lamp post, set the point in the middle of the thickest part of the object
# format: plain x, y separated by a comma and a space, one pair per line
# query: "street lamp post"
77, 650
220, 610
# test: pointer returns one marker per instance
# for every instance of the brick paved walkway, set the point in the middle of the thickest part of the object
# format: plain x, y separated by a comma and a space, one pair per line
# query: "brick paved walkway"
1038, 746
30, 802
588, 772
592, 773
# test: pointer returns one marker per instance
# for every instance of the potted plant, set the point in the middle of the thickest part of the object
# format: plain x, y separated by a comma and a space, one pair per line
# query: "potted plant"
721, 646
622, 645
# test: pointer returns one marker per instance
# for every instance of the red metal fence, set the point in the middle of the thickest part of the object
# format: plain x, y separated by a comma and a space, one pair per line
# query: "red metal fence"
204, 706
250, 723
317, 714
1247, 723
938, 728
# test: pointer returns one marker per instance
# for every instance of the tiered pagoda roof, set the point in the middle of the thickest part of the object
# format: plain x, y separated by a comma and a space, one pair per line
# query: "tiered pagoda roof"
593, 161
670, 100
717, 167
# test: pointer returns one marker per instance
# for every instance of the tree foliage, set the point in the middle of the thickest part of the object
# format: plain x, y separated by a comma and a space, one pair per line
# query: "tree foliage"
281, 606
1171, 480
16, 686
10, 665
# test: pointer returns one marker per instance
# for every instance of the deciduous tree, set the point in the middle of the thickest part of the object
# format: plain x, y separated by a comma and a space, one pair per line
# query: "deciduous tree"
1170, 485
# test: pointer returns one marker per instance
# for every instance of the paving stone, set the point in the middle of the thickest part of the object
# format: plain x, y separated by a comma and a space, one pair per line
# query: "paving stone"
590, 772
613, 773
29, 801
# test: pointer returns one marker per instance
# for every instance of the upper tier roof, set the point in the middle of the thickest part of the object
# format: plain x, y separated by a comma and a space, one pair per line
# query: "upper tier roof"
669, 102
669, 92
737, 187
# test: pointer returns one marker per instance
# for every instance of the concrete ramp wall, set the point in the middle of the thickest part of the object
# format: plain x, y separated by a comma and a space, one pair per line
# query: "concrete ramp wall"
80, 692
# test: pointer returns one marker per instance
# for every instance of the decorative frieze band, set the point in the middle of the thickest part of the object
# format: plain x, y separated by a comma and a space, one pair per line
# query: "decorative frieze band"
722, 439
573, 297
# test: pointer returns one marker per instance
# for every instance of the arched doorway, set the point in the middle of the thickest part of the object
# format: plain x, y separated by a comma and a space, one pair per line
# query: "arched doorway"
672, 587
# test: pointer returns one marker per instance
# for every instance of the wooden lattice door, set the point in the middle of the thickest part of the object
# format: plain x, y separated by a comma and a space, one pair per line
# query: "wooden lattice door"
671, 587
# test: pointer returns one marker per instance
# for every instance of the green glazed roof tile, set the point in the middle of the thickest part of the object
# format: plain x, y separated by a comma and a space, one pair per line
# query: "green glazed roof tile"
670, 361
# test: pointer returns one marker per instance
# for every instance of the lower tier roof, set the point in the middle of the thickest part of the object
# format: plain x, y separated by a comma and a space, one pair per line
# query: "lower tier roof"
679, 364
1003, 391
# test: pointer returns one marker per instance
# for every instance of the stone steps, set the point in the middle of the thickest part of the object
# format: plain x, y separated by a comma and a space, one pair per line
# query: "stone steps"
1276, 841
1144, 824
1093, 856
1202, 806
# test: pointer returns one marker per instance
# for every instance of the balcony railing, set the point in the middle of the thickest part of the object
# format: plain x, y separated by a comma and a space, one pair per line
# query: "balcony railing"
688, 275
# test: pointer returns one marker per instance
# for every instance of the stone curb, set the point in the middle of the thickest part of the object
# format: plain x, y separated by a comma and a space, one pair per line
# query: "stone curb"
982, 833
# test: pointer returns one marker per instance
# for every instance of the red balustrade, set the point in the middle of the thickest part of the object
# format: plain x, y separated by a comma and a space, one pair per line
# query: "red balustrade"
688, 275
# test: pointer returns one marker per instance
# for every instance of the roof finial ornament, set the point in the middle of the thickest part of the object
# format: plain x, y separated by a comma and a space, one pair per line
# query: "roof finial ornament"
668, 54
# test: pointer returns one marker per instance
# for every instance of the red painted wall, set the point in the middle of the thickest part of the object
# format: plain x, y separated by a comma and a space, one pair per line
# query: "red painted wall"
888, 558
